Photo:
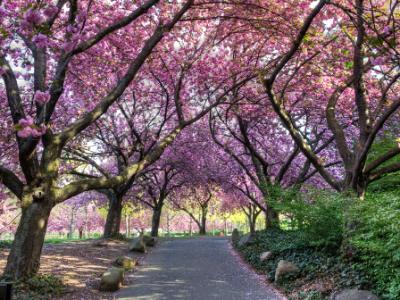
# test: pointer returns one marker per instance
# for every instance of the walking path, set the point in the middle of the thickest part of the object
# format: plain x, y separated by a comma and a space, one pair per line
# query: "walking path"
195, 269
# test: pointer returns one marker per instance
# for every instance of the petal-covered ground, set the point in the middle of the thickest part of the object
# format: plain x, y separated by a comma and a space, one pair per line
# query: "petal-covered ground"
80, 265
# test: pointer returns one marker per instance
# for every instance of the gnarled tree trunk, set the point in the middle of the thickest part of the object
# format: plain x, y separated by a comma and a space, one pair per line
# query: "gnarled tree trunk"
24, 258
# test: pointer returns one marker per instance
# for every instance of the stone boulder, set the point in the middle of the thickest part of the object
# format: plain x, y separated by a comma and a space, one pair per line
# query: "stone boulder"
149, 241
137, 245
265, 255
285, 268
246, 240
235, 236
111, 280
125, 262
354, 294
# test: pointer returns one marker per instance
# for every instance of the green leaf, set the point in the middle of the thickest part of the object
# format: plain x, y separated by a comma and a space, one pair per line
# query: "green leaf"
348, 64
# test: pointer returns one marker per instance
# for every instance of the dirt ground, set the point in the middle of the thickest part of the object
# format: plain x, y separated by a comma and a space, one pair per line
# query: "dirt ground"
80, 265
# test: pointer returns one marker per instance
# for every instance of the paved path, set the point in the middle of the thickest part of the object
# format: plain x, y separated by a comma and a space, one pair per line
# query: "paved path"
195, 269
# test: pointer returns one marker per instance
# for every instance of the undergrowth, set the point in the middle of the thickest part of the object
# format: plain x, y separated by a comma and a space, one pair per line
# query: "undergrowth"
38, 287
315, 264
337, 243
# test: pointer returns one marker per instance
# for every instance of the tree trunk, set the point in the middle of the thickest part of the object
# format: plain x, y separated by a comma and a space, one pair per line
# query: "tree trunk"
155, 221
126, 225
202, 229
251, 219
129, 226
24, 258
272, 218
168, 233
71, 224
360, 187
252, 227
266, 219
86, 222
113, 221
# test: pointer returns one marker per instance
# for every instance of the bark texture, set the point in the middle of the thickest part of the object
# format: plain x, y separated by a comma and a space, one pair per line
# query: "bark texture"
24, 258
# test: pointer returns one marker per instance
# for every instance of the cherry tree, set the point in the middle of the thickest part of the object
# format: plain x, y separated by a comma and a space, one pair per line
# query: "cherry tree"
80, 214
343, 61
201, 170
59, 47
129, 131
153, 189
123, 138
245, 202
52, 37
195, 202
265, 153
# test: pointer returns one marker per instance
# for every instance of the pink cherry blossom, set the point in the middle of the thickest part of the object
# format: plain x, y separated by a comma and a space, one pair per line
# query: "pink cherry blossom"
50, 11
25, 122
40, 40
33, 17
25, 132
378, 61
387, 30
41, 97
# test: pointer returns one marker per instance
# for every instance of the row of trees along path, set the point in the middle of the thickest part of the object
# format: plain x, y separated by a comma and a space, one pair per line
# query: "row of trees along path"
146, 100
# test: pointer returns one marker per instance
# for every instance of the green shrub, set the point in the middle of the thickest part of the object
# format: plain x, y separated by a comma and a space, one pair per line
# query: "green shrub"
320, 221
376, 237
318, 214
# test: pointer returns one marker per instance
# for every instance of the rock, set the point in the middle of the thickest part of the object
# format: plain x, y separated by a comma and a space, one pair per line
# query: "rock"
125, 262
246, 240
111, 280
149, 241
354, 294
235, 236
137, 245
285, 268
265, 255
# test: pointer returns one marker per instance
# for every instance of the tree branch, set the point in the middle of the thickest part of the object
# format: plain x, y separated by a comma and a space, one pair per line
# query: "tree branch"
11, 181
72, 130
378, 174
380, 160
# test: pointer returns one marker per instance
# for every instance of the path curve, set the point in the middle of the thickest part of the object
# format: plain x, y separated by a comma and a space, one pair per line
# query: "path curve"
195, 269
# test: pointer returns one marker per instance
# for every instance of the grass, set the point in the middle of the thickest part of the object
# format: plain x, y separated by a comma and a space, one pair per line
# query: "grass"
6, 243
54, 240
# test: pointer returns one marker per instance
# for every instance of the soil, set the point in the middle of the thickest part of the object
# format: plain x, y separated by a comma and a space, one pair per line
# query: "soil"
80, 264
